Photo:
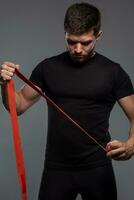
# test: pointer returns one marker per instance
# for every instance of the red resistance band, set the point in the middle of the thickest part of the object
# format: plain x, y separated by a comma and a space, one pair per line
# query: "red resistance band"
16, 139
16, 132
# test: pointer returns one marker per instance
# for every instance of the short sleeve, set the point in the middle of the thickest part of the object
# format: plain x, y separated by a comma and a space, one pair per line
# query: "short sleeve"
123, 85
37, 76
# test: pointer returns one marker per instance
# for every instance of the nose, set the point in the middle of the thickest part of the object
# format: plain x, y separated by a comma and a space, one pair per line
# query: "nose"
78, 48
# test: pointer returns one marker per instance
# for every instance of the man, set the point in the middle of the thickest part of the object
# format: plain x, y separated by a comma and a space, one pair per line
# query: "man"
86, 85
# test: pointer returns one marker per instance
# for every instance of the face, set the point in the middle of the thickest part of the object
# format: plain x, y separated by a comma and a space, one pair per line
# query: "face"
81, 46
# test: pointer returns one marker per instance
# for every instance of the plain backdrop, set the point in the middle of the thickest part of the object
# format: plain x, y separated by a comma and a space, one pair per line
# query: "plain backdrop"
31, 31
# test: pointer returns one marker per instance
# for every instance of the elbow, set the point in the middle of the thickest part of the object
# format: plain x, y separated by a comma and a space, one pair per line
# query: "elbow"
6, 106
19, 112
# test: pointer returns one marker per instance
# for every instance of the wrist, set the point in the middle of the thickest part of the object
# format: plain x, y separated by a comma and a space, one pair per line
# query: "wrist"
131, 139
130, 143
2, 82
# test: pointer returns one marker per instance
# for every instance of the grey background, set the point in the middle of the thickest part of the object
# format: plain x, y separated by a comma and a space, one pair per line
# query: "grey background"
31, 31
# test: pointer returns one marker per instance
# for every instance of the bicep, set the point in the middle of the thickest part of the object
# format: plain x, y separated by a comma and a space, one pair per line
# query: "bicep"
28, 96
127, 104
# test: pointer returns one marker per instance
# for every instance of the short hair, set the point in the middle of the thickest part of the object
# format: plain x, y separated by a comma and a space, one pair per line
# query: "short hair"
81, 18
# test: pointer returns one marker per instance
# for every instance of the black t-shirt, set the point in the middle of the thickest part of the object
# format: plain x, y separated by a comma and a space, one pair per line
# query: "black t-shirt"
87, 92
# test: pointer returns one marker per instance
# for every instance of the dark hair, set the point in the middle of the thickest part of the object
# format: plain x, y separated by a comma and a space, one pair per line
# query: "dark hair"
81, 18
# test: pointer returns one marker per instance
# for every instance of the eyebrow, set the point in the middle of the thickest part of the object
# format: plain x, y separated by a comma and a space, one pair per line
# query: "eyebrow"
77, 41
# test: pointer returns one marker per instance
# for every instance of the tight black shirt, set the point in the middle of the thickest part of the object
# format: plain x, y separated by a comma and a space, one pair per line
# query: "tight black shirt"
87, 92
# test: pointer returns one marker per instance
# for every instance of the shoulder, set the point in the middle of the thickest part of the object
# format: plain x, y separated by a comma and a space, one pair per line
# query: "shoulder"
111, 65
56, 58
107, 60
50, 61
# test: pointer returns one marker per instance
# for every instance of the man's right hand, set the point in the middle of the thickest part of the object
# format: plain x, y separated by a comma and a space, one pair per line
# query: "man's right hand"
25, 97
7, 70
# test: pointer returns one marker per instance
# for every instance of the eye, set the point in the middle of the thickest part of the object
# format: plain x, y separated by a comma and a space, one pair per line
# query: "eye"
71, 42
86, 43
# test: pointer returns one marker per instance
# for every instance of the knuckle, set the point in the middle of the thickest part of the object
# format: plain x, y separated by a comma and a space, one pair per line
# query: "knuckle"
11, 74
115, 141
9, 64
2, 66
2, 73
13, 70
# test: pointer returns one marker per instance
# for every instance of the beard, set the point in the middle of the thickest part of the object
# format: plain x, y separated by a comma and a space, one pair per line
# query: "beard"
79, 58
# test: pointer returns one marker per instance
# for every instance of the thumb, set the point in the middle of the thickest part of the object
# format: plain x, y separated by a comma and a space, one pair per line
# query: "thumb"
108, 147
17, 66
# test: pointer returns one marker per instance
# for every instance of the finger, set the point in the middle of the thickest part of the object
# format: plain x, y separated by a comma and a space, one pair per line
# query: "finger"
116, 152
7, 68
9, 64
114, 145
114, 142
6, 78
5, 73
122, 156
108, 147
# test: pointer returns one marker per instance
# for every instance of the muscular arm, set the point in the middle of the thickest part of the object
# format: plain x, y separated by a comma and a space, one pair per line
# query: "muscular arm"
25, 98
124, 150
127, 105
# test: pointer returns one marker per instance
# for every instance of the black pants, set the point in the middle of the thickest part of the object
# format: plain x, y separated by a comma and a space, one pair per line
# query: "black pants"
93, 184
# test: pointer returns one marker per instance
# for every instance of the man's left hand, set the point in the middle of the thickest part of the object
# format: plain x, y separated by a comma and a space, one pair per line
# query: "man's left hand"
118, 150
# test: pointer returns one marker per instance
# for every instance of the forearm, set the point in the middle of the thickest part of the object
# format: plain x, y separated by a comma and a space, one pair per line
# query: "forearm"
4, 95
131, 133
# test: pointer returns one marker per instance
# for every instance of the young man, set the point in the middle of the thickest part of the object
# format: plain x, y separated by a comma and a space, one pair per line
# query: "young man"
86, 85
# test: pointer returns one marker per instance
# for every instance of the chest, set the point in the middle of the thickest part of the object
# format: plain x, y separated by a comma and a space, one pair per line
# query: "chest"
89, 82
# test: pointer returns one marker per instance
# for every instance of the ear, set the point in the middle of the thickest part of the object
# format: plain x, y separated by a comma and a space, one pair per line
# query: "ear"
99, 35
